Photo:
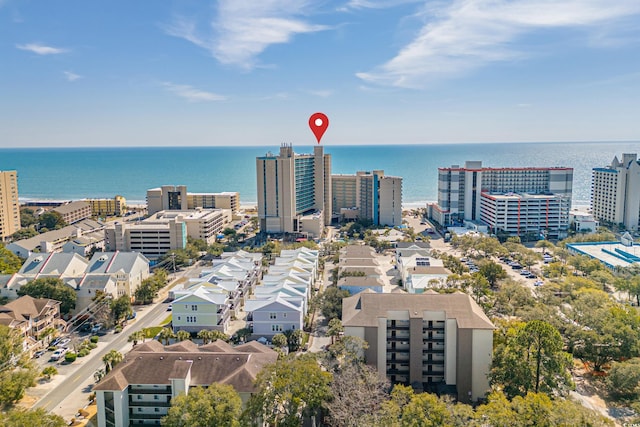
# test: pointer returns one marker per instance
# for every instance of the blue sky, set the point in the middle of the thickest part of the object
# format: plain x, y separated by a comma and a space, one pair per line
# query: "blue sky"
249, 72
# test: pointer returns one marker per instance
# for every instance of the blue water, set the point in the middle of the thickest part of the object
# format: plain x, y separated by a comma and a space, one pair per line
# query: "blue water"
77, 173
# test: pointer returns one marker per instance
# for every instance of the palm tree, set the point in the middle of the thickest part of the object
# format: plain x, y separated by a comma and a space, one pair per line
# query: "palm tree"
111, 359
165, 335
183, 335
205, 336
137, 336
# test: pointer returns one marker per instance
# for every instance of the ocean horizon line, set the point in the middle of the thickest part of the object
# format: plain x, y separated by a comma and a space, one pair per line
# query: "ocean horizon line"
407, 144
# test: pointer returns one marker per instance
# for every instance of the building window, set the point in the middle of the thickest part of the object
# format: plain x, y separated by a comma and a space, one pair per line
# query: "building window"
139, 409
157, 409
284, 315
194, 308
276, 328
155, 397
272, 315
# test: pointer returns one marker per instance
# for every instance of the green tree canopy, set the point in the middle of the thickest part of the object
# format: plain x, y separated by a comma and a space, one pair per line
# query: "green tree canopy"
9, 262
289, 390
121, 308
217, 405
32, 417
51, 288
529, 357
51, 220
331, 302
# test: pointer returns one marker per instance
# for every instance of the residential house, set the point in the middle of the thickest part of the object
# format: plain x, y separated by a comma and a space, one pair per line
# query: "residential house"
32, 316
201, 308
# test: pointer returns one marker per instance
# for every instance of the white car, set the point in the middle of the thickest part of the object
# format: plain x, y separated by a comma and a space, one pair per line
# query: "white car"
59, 353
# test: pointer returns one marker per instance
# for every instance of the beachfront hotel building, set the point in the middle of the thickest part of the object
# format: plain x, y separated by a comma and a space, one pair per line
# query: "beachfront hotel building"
435, 342
176, 197
108, 207
368, 195
294, 191
153, 239
9, 204
513, 201
615, 195
74, 211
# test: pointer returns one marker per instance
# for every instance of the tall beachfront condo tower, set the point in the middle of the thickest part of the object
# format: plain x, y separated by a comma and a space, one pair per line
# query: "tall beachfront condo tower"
513, 201
294, 191
616, 192
369, 195
9, 204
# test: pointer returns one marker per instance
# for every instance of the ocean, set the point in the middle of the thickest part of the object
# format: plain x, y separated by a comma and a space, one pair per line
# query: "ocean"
78, 173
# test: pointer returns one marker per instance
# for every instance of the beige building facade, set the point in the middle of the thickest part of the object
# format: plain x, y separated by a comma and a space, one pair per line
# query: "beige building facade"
294, 189
434, 342
108, 207
369, 195
176, 197
74, 211
9, 204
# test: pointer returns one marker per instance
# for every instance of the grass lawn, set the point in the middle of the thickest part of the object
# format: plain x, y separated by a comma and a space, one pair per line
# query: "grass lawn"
152, 331
166, 321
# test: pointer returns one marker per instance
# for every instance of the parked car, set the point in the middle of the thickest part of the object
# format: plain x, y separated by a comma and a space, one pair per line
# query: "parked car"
516, 267
59, 353
96, 328
56, 341
63, 342
39, 353
531, 276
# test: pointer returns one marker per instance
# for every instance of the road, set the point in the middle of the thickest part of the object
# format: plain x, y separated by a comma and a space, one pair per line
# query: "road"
82, 379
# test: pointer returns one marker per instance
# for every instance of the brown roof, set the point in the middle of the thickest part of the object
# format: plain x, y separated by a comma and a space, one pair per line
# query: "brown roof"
219, 346
423, 269
357, 251
365, 308
152, 364
25, 307
365, 262
360, 281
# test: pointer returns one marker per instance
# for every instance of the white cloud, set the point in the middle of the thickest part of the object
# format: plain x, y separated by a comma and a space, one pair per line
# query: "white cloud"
41, 49
72, 77
321, 93
243, 29
466, 34
192, 94
375, 4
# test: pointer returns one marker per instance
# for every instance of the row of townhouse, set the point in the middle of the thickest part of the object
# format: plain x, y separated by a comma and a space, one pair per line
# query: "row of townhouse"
113, 273
218, 295
358, 269
280, 303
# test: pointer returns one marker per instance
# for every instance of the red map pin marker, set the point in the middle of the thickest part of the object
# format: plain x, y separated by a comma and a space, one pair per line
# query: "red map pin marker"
318, 122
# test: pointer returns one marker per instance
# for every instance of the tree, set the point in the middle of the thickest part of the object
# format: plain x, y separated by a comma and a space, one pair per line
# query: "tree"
335, 329
288, 391
32, 417
49, 372
279, 340
183, 336
9, 262
545, 244
51, 288
623, 380
358, 391
331, 302
217, 405
111, 359
51, 220
24, 233
27, 218
121, 308
11, 347
165, 335
137, 336
294, 339
479, 286
529, 357
492, 272
14, 383
146, 292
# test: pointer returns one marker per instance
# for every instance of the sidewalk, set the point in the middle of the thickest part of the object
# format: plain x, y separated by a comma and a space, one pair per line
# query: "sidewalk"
79, 398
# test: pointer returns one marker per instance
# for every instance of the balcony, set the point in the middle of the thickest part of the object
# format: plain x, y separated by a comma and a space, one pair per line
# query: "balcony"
146, 416
149, 390
150, 403
433, 351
